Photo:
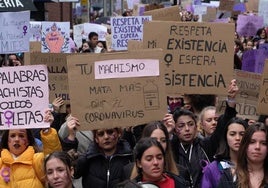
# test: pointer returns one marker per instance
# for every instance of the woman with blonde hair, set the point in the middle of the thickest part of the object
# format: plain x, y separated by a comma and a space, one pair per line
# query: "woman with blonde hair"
208, 119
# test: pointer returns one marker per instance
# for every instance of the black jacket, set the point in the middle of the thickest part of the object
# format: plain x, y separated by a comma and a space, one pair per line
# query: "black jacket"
227, 180
99, 171
203, 150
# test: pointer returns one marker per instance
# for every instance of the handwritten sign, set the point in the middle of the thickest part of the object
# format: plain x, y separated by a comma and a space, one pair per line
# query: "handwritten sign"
197, 58
112, 101
55, 37
14, 32
23, 97
247, 98
263, 97
35, 31
57, 75
127, 28
263, 11
248, 25
165, 14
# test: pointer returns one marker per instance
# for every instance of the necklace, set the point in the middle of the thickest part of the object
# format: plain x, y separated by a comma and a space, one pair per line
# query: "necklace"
186, 151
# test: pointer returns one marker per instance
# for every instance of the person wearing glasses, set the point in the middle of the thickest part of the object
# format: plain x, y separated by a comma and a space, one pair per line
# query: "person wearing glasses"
191, 151
101, 166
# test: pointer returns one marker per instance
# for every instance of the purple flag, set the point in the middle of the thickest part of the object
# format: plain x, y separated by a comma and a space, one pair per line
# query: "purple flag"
240, 7
248, 60
248, 25
261, 55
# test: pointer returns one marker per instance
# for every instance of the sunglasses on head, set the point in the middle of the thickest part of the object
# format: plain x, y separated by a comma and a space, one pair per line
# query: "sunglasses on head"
108, 132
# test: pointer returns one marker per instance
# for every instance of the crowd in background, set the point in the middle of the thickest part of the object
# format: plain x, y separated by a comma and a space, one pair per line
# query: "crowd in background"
191, 146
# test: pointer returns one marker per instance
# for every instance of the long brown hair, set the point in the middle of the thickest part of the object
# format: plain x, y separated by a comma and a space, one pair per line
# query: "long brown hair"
242, 163
170, 165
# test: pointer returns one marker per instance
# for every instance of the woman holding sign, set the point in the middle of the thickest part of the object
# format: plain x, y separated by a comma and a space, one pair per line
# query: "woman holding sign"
21, 165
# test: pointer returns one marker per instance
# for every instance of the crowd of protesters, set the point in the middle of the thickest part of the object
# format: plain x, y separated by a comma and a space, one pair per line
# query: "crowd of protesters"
191, 146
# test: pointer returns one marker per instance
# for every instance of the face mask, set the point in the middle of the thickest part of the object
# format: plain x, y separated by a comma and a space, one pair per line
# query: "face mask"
98, 49
173, 106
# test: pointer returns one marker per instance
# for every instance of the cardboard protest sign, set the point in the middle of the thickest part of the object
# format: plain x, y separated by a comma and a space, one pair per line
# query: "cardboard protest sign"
247, 98
262, 107
165, 14
210, 15
14, 32
149, 7
263, 11
134, 45
81, 31
198, 60
117, 89
23, 97
34, 47
57, 75
138, 9
226, 5
55, 37
127, 28
252, 5
248, 25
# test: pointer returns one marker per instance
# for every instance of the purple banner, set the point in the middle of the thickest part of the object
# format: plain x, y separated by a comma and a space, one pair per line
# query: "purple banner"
240, 7
253, 60
263, 46
260, 60
248, 60
197, 2
248, 25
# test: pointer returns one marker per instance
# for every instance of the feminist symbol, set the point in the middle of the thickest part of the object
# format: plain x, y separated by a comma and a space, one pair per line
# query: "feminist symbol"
25, 29
9, 116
